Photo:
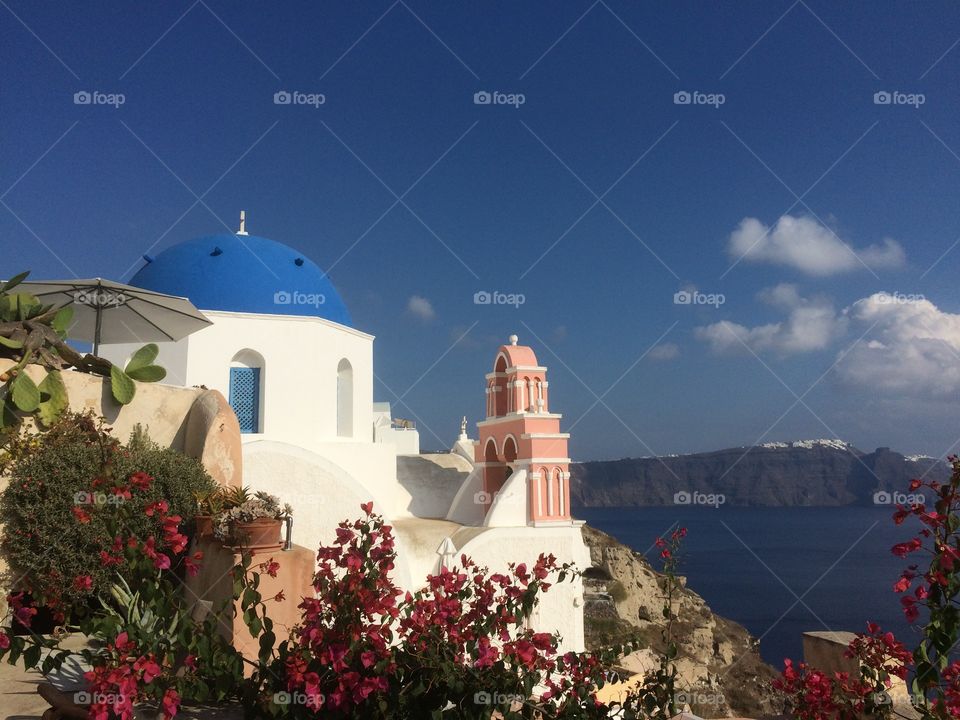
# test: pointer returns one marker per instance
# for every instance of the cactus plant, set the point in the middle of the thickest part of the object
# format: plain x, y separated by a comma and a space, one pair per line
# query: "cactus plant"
35, 334
210, 502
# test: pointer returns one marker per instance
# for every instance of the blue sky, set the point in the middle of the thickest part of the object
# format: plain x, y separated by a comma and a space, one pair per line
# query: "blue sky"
798, 199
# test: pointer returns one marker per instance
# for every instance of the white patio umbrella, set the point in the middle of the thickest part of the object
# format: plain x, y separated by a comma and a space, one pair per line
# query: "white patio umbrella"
448, 554
133, 314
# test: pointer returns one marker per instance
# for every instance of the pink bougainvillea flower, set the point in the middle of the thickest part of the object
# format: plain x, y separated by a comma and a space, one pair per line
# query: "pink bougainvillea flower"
170, 703
344, 535
141, 480
905, 548
160, 506
83, 583
192, 564
82, 516
270, 567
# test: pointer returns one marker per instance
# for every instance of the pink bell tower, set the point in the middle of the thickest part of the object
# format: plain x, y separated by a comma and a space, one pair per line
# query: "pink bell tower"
520, 433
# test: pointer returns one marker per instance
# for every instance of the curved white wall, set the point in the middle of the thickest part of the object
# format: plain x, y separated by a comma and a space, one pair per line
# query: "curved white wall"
509, 508
561, 607
321, 492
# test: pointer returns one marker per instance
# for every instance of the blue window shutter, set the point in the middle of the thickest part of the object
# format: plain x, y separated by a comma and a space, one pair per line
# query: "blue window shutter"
245, 397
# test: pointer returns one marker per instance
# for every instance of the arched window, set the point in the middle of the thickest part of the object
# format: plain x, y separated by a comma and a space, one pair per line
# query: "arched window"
246, 390
509, 449
500, 388
345, 399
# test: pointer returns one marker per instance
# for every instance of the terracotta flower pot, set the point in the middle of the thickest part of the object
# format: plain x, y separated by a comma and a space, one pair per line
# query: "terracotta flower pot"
261, 534
204, 526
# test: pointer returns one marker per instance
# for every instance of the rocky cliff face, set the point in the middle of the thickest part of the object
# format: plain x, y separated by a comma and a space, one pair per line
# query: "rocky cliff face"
720, 670
803, 473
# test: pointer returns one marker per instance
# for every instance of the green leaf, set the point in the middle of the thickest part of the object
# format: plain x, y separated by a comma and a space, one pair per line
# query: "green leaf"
150, 373
141, 365
61, 321
121, 386
31, 656
142, 358
27, 305
266, 644
16, 648
25, 394
54, 398
8, 418
14, 281
252, 621
13, 344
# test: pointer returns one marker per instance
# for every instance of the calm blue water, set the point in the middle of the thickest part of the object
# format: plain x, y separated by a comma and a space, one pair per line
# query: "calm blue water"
813, 551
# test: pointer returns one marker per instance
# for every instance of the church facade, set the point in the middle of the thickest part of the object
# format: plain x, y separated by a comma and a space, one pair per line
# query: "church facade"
282, 348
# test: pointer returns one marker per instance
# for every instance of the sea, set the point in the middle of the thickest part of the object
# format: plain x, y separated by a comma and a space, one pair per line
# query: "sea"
779, 571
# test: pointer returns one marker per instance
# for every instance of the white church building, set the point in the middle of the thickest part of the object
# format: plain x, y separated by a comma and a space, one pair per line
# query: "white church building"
283, 349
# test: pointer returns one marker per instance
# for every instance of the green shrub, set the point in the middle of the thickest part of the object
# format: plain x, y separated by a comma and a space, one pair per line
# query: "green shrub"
52, 477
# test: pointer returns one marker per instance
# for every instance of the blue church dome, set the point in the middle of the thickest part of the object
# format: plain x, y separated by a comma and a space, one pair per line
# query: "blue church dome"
243, 273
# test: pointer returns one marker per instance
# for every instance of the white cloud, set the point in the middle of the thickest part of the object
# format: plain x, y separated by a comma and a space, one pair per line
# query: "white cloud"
421, 308
811, 324
910, 347
906, 347
805, 244
664, 351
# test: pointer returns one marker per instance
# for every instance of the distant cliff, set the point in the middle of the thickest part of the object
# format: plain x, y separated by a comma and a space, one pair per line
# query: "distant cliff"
812, 472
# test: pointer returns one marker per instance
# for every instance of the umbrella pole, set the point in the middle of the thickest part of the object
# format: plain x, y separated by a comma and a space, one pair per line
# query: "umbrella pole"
96, 332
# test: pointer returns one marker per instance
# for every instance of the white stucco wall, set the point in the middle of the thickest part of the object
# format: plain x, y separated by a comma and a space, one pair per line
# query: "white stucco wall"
405, 440
465, 509
321, 492
561, 607
301, 355
509, 507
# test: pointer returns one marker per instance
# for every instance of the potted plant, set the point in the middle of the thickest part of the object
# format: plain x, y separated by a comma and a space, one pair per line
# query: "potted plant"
251, 522
210, 503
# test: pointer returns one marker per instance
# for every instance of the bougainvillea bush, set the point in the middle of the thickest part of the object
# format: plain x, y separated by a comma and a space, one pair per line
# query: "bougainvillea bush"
459, 648
60, 480
149, 646
928, 589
